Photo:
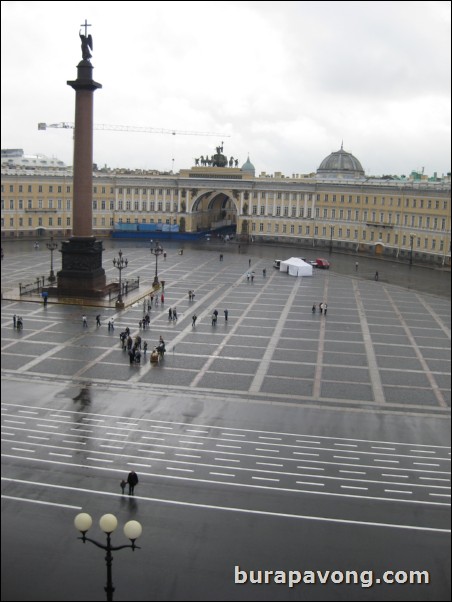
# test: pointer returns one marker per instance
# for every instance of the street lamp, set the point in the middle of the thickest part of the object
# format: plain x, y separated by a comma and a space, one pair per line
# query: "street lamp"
52, 246
158, 250
108, 523
331, 238
411, 248
120, 263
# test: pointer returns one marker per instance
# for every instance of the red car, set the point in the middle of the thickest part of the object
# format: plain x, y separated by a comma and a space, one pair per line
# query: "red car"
324, 264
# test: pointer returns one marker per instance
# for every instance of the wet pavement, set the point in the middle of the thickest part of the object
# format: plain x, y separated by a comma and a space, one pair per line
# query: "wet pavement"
278, 439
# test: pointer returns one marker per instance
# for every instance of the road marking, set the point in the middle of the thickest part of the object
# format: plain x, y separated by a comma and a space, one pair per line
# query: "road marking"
23, 499
245, 510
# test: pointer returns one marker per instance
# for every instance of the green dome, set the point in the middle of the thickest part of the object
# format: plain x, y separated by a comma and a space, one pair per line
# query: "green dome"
249, 167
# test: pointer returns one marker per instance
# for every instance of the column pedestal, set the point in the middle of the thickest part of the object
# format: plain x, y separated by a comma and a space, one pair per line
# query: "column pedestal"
82, 274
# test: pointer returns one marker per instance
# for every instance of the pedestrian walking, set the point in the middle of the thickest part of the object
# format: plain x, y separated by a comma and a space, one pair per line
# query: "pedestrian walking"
226, 313
175, 315
14, 321
170, 314
356, 266
193, 319
325, 308
264, 272
85, 321
123, 486
145, 347
314, 307
221, 256
132, 479
98, 320
376, 275
214, 319
321, 307
249, 262
162, 298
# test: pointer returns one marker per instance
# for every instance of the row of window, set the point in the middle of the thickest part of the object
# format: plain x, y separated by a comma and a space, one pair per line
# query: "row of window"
51, 204
389, 201
428, 243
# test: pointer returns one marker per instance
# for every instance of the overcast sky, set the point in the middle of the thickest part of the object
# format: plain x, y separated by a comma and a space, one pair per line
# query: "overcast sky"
287, 81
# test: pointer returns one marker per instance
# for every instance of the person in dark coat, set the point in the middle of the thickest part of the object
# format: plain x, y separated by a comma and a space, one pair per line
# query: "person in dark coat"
132, 480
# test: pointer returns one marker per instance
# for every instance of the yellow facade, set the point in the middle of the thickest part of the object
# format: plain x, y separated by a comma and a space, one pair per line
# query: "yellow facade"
393, 218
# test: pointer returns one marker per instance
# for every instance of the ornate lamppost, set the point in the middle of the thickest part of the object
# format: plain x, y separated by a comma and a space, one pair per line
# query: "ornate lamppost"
108, 523
52, 246
411, 248
120, 263
158, 250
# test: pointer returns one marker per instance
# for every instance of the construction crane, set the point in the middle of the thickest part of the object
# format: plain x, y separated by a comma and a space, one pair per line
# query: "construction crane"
131, 128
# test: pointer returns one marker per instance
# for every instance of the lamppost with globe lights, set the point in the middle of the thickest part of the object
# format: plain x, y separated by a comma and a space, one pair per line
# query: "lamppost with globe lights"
52, 246
120, 263
108, 523
158, 250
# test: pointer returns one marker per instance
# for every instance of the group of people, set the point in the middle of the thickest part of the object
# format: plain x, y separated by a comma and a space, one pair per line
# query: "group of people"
132, 482
323, 308
18, 322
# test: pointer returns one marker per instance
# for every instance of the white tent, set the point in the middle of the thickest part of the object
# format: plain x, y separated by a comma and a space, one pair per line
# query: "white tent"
296, 267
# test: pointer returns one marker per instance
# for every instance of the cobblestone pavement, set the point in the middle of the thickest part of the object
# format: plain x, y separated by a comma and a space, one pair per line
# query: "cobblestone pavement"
379, 346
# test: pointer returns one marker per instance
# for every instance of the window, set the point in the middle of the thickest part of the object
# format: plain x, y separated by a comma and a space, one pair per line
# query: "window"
11, 204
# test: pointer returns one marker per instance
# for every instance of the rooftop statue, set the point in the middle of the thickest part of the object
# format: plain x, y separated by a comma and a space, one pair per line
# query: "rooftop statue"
87, 43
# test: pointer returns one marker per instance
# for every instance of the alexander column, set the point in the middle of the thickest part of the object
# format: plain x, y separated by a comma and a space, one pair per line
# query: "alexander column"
82, 273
